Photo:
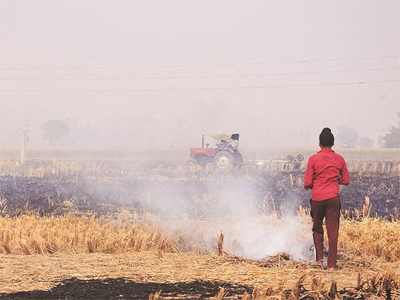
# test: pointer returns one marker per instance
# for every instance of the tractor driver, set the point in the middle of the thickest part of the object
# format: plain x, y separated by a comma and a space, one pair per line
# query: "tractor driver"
223, 144
325, 171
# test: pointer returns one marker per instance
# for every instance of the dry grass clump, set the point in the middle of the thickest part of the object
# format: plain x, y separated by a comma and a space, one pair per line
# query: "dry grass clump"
371, 239
363, 238
29, 234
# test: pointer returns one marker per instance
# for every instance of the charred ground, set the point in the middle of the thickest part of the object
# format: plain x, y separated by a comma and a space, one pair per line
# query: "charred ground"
61, 193
120, 288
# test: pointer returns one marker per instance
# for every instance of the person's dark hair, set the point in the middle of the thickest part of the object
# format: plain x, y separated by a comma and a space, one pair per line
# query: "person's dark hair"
326, 138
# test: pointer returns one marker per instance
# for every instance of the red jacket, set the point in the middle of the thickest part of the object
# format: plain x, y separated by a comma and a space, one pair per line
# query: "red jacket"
325, 171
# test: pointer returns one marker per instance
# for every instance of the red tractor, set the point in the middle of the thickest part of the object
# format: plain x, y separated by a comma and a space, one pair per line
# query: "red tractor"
225, 156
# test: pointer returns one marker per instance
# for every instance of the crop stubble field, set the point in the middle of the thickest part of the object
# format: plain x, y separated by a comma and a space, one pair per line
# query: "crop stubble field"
106, 229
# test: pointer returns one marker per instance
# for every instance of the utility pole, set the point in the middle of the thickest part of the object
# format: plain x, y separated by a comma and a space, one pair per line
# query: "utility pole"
24, 139
23, 148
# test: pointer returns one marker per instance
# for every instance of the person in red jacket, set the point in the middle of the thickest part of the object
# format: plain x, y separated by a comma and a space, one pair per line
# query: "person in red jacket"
325, 171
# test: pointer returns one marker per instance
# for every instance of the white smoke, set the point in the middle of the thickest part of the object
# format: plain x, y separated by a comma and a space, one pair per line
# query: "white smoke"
231, 207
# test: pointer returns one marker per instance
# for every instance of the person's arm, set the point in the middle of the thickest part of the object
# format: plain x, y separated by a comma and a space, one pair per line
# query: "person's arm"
309, 175
344, 175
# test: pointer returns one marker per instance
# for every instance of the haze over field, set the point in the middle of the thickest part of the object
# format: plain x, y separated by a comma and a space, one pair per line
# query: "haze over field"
161, 73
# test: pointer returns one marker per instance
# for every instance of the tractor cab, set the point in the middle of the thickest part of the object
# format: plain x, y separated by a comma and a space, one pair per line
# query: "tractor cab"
227, 141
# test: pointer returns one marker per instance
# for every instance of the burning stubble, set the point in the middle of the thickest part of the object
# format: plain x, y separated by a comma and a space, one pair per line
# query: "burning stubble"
232, 206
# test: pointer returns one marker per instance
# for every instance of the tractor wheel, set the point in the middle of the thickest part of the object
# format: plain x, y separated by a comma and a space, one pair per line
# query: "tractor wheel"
191, 163
300, 157
224, 160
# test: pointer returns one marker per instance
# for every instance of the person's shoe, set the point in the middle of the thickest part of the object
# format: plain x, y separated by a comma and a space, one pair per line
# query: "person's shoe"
332, 269
317, 265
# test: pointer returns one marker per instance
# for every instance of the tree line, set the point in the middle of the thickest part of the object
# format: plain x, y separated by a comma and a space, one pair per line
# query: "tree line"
55, 130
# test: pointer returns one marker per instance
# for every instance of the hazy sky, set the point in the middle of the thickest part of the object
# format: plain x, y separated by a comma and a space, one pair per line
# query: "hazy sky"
137, 73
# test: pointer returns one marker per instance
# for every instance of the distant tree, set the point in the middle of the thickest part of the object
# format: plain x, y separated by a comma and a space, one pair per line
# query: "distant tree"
392, 138
53, 130
365, 142
347, 136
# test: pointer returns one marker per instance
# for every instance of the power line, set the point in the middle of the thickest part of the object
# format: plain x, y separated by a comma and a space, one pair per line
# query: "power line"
197, 76
201, 89
196, 65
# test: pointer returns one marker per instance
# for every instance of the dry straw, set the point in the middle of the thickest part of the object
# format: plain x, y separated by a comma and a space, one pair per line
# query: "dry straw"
369, 259
361, 241
29, 234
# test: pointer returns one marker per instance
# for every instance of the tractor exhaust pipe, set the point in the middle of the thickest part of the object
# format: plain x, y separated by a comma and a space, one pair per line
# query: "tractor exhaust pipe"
202, 141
